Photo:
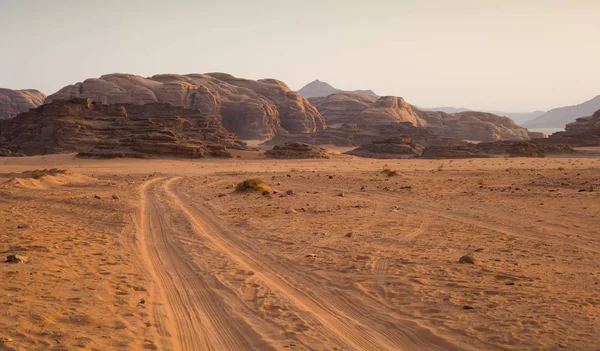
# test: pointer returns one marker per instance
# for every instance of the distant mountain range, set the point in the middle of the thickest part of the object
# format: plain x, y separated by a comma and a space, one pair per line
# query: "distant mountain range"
320, 89
559, 117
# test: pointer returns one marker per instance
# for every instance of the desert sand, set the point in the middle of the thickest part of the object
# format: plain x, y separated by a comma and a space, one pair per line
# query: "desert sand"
339, 257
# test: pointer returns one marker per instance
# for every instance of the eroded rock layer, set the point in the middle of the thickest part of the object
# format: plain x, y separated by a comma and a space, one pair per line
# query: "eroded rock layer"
119, 130
252, 109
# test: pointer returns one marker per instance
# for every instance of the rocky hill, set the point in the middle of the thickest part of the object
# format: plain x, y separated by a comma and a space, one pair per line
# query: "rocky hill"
365, 110
119, 130
13, 102
559, 117
317, 88
476, 126
252, 109
585, 131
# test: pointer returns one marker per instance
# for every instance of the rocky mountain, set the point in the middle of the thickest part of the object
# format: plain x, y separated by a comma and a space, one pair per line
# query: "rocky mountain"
365, 110
476, 126
559, 117
317, 88
13, 102
252, 109
517, 117
585, 131
120, 130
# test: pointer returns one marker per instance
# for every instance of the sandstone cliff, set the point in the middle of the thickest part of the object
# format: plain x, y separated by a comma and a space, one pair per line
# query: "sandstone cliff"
13, 102
365, 110
476, 126
252, 109
585, 131
118, 130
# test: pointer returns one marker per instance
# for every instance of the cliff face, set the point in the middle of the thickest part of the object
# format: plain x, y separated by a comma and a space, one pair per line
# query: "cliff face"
99, 130
477, 126
585, 131
365, 110
252, 109
13, 102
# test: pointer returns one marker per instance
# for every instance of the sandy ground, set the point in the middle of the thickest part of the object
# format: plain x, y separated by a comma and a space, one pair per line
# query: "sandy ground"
340, 258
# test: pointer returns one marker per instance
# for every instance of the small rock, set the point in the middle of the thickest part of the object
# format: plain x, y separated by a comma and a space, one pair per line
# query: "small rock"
350, 235
96, 196
266, 193
115, 196
5, 340
467, 307
16, 259
510, 283
142, 301
290, 192
310, 255
221, 195
290, 211
469, 259
362, 188
330, 177
341, 194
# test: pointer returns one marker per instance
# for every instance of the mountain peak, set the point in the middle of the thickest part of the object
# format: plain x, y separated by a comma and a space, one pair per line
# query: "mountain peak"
318, 88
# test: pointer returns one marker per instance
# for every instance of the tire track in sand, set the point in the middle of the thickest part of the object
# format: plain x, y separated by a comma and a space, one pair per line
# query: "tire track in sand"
197, 317
352, 321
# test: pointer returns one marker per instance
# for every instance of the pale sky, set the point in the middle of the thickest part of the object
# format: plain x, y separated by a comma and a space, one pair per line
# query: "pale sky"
510, 55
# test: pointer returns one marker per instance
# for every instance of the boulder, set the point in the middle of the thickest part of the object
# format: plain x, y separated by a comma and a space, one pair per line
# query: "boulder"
13, 102
251, 109
297, 151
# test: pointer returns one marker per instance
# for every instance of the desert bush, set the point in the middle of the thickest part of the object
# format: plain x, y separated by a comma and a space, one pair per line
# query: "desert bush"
390, 172
251, 184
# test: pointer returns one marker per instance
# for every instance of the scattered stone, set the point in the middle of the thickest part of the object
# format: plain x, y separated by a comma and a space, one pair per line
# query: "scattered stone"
115, 196
142, 301
341, 194
96, 196
290, 211
290, 192
310, 255
350, 235
5, 340
16, 259
221, 195
362, 188
330, 177
469, 259
510, 283
467, 307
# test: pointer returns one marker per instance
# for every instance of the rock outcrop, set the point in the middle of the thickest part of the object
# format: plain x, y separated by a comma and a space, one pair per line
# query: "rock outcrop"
297, 151
120, 130
365, 110
251, 109
317, 88
390, 148
13, 102
585, 131
476, 126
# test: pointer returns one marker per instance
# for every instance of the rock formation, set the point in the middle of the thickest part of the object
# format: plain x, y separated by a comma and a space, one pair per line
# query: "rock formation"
585, 131
252, 109
365, 110
317, 88
476, 126
297, 151
119, 130
398, 147
559, 117
13, 102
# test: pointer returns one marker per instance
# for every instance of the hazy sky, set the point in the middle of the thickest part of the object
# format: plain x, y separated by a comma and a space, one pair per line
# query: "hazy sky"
511, 55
